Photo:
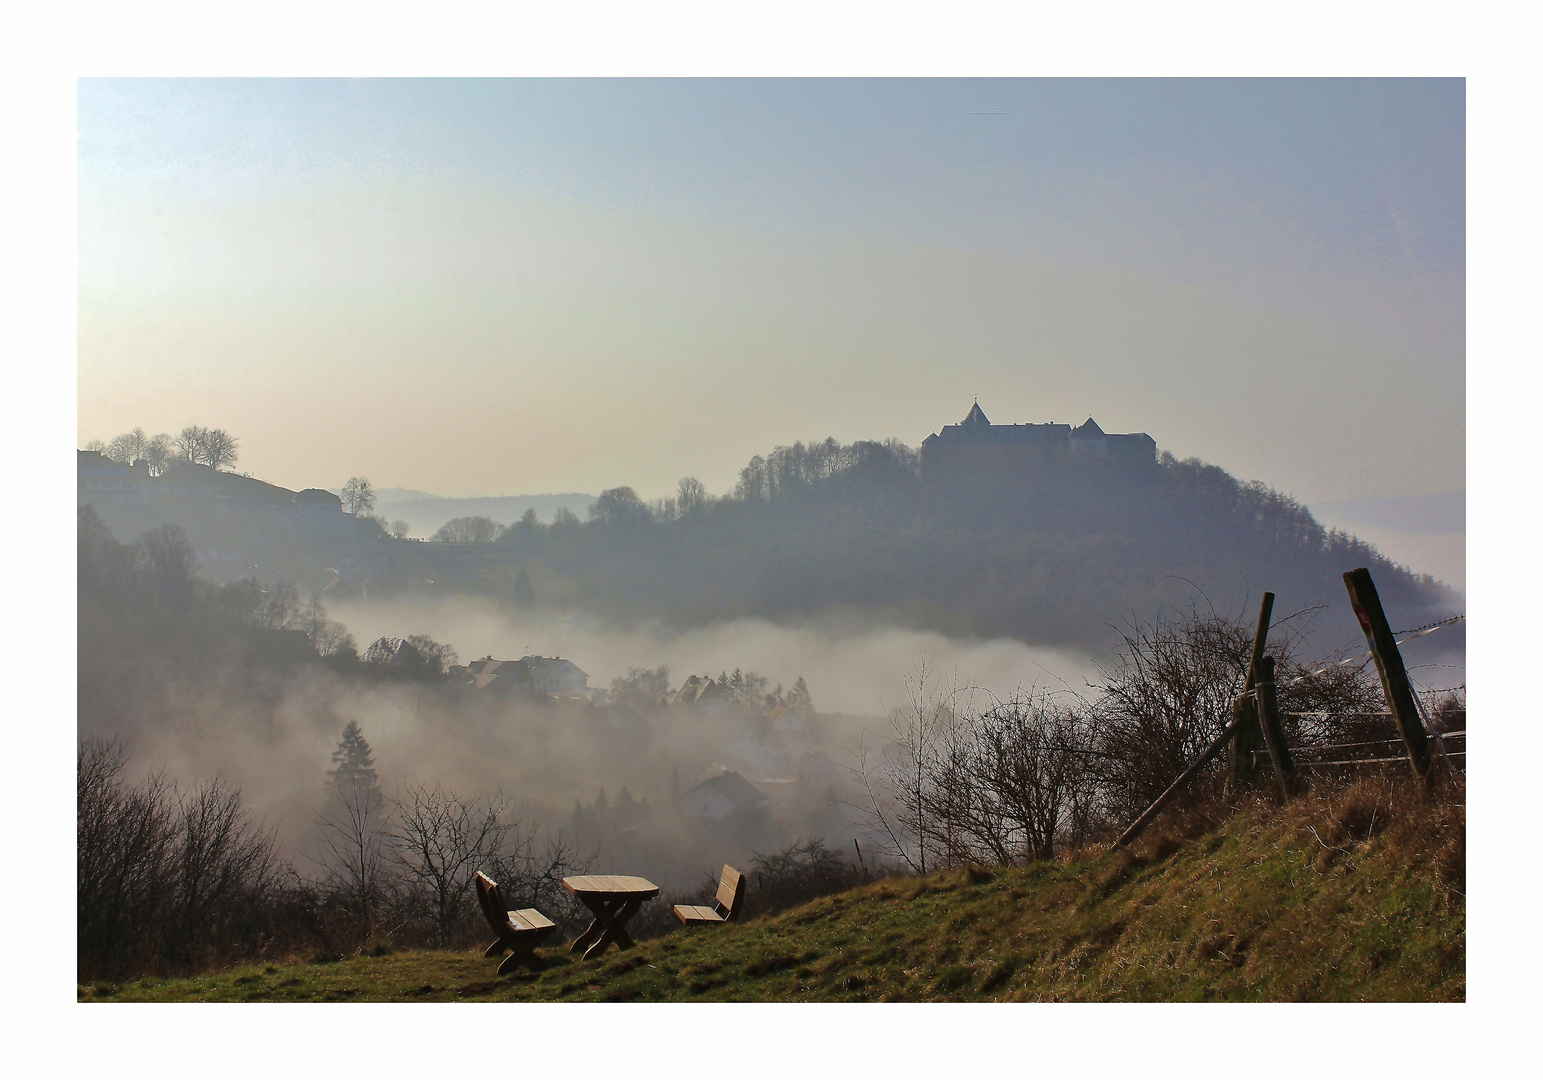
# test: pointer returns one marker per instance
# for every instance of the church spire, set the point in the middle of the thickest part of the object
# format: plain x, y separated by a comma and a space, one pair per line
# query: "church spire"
976, 418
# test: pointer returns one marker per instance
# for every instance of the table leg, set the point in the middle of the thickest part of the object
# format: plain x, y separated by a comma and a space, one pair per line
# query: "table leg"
604, 911
590, 933
622, 938
615, 927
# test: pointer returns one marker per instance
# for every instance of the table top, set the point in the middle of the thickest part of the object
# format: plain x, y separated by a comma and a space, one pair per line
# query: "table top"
610, 885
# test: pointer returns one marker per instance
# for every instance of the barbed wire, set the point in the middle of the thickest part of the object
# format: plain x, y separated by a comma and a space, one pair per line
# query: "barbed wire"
1428, 627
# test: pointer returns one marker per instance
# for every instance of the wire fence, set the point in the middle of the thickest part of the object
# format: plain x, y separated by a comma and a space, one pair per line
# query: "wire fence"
1307, 759
1364, 658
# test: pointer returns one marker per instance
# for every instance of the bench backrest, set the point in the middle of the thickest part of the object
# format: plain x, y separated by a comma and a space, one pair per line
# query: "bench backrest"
731, 893
492, 902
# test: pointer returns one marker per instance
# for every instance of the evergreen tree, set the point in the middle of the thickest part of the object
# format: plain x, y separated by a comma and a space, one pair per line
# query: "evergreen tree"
524, 595
353, 764
798, 698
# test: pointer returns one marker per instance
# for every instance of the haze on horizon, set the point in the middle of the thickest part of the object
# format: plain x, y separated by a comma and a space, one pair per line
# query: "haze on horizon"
476, 287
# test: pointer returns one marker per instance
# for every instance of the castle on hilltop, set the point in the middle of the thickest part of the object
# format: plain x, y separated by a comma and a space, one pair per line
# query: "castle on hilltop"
975, 442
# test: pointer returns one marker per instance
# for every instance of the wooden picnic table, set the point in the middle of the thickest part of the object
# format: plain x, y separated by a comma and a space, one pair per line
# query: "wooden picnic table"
613, 899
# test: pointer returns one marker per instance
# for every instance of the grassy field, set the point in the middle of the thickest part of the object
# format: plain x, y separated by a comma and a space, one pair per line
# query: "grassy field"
1315, 905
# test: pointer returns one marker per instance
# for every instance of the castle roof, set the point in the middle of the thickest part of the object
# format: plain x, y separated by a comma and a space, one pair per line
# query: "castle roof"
975, 418
1089, 430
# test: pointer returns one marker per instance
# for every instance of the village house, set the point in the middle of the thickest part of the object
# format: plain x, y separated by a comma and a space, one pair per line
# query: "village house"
556, 677
700, 692
785, 720
716, 798
545, 676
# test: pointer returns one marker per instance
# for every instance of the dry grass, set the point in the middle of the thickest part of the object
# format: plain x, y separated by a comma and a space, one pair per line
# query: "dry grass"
1351, 893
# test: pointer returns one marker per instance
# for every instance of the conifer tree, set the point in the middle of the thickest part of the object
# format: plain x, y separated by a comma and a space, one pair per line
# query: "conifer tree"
524, 595
798, 698
353, 764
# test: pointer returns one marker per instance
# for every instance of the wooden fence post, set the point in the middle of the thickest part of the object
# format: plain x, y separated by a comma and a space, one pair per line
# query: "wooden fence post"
1274, 737
1241, 750
1390, 669
1178, 785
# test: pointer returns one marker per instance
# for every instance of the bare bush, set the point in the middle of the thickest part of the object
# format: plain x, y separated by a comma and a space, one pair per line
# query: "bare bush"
800, 872
957, 783
1165, 697
1043, 773
170, 880
1020, 785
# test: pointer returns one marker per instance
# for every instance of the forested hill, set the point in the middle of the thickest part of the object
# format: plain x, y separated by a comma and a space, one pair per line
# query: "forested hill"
1054, 555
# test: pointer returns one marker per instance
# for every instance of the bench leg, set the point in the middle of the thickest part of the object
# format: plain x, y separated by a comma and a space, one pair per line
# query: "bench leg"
495, 949
526, 956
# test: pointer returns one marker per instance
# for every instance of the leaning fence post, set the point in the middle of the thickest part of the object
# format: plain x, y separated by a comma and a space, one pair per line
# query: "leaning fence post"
1178, 785
1269, 724
1390, 669
1246, 741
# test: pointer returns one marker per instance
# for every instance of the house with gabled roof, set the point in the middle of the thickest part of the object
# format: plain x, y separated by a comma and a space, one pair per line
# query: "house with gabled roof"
700, 692
551, 676
719, 796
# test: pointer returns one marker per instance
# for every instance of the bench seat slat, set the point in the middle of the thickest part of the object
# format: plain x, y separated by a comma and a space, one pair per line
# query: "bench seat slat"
530, 919
689, 913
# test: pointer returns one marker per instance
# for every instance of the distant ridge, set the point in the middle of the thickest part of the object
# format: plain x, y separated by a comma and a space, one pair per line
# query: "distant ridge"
397, 495
427, 513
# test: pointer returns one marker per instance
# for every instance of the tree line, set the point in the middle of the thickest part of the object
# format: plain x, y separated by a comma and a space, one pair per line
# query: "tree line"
143, 597
193, 445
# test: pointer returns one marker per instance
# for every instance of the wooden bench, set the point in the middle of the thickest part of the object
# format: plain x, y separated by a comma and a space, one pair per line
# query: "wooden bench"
518, 931
725, 909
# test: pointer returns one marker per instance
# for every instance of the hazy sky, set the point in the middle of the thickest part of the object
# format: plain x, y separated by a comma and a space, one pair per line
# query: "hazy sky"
510, 286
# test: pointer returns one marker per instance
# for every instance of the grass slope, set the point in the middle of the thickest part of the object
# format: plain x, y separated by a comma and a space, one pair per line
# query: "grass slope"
1259, 909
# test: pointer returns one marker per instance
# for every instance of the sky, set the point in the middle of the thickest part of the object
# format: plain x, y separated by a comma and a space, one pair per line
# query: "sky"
485, 287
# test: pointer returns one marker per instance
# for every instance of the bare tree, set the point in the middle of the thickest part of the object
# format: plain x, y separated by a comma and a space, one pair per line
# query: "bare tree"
400, 529
189, 444
358, 495
1023, 782
220, 449
97, 445
469, 530
441, 840
899, 791
354, 832
128, 447
690, 494
328, 638
158, 453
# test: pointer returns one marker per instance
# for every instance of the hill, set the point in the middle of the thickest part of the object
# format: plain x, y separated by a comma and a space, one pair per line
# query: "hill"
1049, 554
1326, 901
1051, 550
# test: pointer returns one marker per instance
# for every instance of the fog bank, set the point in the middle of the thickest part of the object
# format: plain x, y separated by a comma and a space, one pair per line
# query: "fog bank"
852, 665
